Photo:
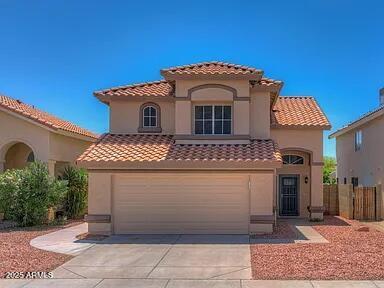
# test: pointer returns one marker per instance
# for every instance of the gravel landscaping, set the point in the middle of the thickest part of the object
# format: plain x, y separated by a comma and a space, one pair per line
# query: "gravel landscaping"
16, 255
352, 253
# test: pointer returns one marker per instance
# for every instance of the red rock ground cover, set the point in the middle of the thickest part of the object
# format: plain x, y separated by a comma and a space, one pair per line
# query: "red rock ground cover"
350, 254
16, 255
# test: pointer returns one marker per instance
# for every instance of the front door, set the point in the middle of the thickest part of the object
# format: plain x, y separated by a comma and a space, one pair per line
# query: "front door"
289, 191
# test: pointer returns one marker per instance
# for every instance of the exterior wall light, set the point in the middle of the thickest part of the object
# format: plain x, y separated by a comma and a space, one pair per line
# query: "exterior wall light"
306, 179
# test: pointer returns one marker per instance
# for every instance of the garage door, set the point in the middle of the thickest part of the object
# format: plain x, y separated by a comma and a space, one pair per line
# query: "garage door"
180, 204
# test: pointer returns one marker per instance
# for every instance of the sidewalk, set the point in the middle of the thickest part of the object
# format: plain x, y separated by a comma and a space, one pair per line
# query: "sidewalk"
164, 283
63, 241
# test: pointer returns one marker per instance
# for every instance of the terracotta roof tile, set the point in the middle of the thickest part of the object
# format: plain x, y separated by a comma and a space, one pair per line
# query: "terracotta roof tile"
298, 112
42, 117
211, 68
160, 88
157, 148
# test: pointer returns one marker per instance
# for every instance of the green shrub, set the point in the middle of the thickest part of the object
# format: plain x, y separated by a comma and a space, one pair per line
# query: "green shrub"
30, 191
9, 187
76, 199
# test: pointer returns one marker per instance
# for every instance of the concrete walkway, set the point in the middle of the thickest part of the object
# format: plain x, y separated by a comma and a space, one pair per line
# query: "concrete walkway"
199, 257
162, 283
64, 241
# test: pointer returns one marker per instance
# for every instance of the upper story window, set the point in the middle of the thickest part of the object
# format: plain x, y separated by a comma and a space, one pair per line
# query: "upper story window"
293, 160
150, 118
213, 119
358, 140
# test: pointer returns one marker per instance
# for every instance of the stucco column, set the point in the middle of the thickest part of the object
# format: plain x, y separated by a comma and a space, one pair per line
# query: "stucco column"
99, 203
51, 167
261, 202
317, 206
2, 163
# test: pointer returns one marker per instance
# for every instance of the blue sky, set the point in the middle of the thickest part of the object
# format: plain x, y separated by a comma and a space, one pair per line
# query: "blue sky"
54, 54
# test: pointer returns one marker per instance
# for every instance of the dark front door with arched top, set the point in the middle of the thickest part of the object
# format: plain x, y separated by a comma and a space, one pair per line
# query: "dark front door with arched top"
289, 195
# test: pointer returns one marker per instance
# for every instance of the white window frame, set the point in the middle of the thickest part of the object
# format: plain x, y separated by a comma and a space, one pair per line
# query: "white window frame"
150, 116
213, 118
358, 139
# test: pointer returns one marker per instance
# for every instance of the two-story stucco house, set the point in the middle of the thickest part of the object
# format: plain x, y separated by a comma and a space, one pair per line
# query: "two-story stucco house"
360, 159
211, 148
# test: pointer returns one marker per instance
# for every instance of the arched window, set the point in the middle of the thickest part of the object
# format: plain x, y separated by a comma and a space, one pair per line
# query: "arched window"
293, 160
150, 118
31, 157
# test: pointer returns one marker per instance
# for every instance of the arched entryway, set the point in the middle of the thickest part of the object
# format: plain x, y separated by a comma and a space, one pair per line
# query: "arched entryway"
17, 155
294, 183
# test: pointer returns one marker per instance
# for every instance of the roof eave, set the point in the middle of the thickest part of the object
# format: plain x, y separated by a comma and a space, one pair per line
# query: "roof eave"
308, 127
357, 123
180, 165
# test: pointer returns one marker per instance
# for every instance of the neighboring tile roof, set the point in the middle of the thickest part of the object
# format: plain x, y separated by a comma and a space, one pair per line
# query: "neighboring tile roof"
359, 121
211, 68
159, 148
41, 117
298, 112
156, 88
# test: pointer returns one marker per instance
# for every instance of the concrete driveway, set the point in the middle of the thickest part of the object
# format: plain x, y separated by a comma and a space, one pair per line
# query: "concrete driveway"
163, 257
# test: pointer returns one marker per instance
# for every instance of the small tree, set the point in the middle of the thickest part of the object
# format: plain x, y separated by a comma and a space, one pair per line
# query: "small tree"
328, 169
76, 199
31, 191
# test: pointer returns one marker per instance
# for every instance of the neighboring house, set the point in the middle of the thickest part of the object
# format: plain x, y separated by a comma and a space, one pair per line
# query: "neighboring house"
212, 148
359, 149
28, 134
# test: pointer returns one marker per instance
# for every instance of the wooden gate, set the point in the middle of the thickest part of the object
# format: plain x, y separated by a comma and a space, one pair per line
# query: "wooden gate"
365, 203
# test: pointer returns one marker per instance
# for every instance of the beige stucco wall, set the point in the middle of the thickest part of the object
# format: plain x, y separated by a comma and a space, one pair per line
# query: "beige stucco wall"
65, 148
125, 116
260, 115
13, 130
241, 86
366, 164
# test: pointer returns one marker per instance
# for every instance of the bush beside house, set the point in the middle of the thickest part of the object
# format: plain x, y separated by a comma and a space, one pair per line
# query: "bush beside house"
27, 195
76, 198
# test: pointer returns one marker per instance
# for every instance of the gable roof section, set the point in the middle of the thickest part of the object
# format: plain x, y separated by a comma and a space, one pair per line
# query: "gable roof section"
41, 117
138, 151
161, 88
298, 112
367, 117
210, 69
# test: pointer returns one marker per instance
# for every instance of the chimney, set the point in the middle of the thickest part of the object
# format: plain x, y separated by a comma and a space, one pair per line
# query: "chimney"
382, 97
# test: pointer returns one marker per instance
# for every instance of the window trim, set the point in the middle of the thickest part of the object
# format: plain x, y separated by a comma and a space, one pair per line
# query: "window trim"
155, 129
213, 119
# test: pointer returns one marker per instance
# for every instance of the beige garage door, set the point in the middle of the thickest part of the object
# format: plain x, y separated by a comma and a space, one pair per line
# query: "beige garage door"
180, 203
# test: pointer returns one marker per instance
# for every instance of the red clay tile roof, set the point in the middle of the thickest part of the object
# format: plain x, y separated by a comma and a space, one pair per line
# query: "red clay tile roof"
162, 148
298, 112
41, 117
211, 68
160, 88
